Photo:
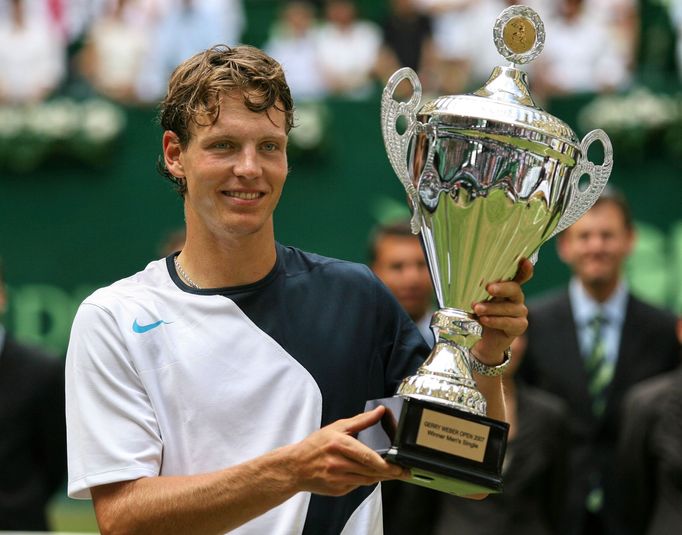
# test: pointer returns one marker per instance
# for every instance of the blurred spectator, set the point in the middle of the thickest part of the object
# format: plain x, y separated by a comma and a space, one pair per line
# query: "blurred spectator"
451, 24
32, 56
292, 43
535, 468
348, 50
32, 431
580, 55
184, 28
407, 42
621, 20
589, 344
650, 454
397, 258
111, 59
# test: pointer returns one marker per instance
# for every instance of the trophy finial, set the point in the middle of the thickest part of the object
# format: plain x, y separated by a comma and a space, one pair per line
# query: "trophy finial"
519, 34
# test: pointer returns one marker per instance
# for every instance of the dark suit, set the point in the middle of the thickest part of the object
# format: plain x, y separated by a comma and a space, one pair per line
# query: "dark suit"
32, 435
648, 346
650, 456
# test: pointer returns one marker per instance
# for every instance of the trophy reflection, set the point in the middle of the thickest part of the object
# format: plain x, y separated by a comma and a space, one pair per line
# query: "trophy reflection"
489, 176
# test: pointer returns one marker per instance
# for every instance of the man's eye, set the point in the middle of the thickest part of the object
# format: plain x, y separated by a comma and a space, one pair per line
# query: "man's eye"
269, 147
221, 145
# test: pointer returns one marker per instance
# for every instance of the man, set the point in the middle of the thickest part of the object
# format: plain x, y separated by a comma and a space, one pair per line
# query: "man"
650, 454
589, 344
32, 431
397, 258
221, 388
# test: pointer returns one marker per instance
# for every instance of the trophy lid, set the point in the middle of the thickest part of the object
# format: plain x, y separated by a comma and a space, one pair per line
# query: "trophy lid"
505, 98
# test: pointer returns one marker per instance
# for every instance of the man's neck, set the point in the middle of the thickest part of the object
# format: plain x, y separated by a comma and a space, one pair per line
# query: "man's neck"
213, 262
601, 291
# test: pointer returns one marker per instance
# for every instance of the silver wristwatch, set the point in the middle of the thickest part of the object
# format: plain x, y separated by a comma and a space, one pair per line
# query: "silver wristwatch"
491, 371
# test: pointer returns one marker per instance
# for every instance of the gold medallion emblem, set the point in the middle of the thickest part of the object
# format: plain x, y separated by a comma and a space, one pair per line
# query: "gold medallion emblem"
519, 35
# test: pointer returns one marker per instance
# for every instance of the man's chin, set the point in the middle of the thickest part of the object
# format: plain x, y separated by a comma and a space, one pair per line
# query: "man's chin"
599, 281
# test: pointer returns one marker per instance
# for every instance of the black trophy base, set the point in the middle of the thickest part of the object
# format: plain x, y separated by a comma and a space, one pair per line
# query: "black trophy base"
446, 449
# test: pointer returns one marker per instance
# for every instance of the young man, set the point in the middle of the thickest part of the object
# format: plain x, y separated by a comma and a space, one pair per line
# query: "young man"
589, 344
397, 258
221, 387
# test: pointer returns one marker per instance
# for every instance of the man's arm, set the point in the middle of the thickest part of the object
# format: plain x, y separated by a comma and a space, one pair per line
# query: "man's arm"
503, 318
329, 461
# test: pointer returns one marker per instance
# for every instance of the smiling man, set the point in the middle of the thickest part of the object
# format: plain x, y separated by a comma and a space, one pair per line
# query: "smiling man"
221, 387
589, 344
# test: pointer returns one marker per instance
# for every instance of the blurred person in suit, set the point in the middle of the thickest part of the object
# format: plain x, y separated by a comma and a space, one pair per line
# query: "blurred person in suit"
32, 431
591, 342
650, 454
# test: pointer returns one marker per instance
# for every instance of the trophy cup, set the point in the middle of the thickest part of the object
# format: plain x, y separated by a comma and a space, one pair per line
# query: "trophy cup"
490, 177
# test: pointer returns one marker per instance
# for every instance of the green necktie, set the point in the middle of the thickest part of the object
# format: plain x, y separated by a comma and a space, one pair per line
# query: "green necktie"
599, 369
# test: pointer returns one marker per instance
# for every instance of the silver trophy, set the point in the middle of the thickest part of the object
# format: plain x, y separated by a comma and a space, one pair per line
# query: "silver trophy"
490, 177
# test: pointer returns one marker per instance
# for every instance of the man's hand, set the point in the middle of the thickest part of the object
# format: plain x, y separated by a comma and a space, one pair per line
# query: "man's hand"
332, 462
504, 317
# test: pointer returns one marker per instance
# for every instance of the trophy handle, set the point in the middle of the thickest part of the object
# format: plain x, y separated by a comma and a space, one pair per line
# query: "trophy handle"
580, 202
397, 144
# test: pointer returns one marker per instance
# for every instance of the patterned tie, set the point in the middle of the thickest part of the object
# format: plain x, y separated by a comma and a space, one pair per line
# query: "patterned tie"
599, 369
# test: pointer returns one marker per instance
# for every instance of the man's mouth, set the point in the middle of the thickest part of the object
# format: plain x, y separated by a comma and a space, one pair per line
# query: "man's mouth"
245, 195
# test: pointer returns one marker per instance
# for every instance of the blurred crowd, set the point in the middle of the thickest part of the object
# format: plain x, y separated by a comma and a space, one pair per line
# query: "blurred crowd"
125, 49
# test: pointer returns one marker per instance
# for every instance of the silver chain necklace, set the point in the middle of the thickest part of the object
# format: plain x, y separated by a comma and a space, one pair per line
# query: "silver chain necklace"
184, 275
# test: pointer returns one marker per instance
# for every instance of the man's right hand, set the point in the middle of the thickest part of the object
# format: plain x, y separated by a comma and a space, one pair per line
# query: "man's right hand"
332, 462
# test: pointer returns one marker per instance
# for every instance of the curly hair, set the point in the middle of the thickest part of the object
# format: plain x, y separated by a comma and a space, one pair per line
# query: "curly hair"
196, 85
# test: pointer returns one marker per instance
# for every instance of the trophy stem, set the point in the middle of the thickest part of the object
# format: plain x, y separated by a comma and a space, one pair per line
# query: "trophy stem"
446, 376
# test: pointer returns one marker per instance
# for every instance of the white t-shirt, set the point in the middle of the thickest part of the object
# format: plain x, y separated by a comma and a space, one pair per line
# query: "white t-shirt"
166, 380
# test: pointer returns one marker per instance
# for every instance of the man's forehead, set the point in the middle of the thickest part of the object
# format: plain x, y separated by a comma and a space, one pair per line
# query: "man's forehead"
234, 101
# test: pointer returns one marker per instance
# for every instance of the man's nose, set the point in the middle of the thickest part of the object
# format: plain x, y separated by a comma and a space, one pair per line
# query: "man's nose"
247, 164
412, 272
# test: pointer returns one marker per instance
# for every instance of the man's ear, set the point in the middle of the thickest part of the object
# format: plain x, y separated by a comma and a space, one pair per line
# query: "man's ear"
171, 154
632, 239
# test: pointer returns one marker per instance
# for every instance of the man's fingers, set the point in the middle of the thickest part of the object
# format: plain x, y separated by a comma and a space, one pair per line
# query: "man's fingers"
501, 308
524, 272
369, 462
361, 421
510, 326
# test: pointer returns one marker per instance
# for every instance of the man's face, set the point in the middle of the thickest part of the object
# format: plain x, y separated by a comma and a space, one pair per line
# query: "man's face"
235, 170
400, 264
597, 245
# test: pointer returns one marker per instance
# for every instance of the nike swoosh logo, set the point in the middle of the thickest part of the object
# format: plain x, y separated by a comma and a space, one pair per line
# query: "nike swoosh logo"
144, 328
